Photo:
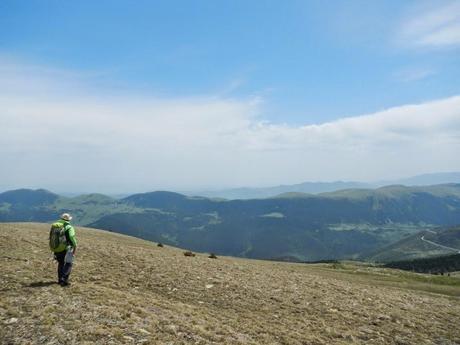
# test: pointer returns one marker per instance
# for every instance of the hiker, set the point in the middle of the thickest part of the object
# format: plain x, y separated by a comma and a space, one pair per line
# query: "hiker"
64, 246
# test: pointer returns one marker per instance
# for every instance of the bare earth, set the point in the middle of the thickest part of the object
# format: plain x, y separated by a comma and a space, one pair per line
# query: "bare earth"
129, 291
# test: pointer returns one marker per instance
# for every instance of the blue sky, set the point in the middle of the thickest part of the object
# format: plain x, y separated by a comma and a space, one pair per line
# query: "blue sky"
312, 61
288, 64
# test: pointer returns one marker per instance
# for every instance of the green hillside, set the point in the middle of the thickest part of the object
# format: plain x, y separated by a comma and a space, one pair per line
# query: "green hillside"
89, 208
27, 205
433, 243
344, 224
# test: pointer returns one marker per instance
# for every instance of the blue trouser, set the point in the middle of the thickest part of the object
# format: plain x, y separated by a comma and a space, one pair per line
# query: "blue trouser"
64, 268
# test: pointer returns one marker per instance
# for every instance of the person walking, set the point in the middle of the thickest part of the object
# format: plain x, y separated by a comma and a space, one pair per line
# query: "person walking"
64, 245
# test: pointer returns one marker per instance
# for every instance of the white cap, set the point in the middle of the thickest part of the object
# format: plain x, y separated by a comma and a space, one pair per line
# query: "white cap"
66, 216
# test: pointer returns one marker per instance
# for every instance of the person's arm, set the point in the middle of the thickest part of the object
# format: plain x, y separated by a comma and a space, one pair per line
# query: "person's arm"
72, 238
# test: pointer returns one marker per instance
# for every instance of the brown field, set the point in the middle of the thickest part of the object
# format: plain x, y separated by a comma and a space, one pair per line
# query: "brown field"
129, 291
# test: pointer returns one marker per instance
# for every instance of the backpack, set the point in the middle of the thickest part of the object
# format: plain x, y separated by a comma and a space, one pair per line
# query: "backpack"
58, 240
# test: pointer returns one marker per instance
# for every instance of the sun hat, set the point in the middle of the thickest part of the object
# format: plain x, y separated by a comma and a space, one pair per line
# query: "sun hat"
66, 216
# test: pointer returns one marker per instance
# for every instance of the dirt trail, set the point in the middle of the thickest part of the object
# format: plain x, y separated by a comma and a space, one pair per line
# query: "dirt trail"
129, 291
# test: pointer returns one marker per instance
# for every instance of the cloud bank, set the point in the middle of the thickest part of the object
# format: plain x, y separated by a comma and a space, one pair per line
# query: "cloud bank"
57, 131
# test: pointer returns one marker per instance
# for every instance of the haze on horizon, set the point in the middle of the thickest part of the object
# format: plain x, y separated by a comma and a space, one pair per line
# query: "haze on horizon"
117, 97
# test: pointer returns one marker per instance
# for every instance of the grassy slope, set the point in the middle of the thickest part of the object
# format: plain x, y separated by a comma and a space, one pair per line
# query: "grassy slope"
91, 207
413, 247
128, 291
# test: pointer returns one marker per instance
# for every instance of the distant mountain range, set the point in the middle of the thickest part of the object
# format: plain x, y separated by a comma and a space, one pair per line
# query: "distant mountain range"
352, 223
324, 187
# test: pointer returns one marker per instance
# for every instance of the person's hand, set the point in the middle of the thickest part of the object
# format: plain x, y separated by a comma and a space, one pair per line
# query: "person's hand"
74, 251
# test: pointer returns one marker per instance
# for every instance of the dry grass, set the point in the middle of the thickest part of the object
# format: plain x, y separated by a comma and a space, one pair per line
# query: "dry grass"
129, 291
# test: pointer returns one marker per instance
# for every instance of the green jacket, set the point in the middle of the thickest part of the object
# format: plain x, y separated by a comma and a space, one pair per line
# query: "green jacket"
69, 233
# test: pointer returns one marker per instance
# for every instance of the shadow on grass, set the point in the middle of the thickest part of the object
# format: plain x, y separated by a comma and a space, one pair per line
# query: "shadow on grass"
41, 284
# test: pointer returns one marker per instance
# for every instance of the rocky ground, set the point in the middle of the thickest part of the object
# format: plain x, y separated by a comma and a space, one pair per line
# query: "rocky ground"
129, 291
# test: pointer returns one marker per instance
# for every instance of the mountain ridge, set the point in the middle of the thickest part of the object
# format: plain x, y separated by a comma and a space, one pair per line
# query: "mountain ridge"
338, 225
324, 187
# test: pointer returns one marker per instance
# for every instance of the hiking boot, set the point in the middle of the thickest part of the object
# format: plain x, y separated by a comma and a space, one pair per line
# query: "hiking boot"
63, 283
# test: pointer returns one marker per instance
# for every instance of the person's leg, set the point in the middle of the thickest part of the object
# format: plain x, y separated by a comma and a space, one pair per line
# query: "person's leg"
66, 269
60, 259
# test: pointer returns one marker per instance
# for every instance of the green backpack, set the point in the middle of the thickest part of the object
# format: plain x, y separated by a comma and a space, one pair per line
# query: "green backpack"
58, 240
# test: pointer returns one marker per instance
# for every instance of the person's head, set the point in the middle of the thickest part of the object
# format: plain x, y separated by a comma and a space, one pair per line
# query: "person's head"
67, 217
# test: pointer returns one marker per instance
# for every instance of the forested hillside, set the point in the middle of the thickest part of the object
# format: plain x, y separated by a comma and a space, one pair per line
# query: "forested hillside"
429, 243
344, 224
437, 265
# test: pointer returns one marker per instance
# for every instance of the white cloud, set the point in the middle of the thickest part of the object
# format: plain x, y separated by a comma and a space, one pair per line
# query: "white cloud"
413, 74
434, 26
55, 135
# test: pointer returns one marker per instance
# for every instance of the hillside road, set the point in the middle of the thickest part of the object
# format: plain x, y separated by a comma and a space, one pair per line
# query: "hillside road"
439, 245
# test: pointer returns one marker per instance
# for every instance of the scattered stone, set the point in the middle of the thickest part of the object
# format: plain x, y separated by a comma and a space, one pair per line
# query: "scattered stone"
127, 337
172, 328
212, 256
383, 317
400, 341
209, 286
11, 321
160, 245
144, 331
350, 337
189, 253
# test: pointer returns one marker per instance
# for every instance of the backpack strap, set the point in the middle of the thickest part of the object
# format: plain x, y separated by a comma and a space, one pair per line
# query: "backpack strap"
66, 233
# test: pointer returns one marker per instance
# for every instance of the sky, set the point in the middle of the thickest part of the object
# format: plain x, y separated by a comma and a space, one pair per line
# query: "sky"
129, 96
